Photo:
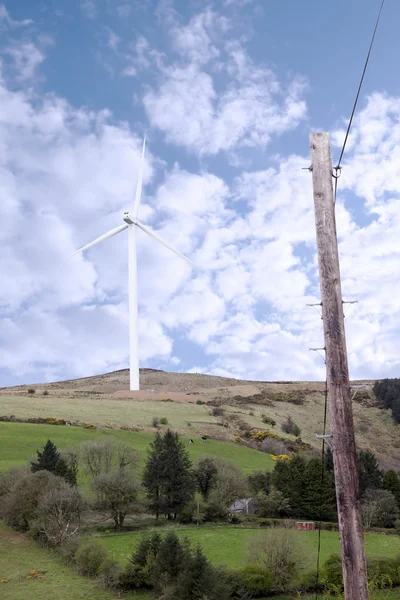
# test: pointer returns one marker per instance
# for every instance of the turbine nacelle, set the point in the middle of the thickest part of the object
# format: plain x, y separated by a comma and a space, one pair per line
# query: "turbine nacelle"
129, 218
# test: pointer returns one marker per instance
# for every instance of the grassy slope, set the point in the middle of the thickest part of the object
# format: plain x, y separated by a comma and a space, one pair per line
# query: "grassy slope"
228, 545
18, 555
19, 442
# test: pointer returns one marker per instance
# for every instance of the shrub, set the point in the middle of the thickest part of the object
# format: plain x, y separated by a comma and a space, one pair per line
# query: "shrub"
217, 411
289, 426
164, 421
89, 558
215, 512
155, 422
268, 420
108, 573
255, 581
200, 402
67, 551
189, 424
332, 574
31, 391
383, 572
397, 525
45, 393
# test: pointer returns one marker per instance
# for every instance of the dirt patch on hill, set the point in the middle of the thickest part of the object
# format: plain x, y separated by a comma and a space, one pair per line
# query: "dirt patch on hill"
11, 536
161, 396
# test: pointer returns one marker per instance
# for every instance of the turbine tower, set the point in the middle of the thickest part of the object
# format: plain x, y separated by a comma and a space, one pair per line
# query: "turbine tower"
131, 223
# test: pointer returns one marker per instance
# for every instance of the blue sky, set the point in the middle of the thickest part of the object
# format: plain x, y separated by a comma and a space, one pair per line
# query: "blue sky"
227, 93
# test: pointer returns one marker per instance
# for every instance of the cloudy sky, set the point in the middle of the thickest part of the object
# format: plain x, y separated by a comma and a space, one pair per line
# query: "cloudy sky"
227, 93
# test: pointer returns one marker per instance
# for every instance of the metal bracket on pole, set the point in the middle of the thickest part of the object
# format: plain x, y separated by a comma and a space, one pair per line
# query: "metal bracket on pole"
309, 169
326, 438
349, 302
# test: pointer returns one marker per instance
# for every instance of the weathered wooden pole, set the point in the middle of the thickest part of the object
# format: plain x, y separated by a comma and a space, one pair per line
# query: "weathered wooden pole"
339, 393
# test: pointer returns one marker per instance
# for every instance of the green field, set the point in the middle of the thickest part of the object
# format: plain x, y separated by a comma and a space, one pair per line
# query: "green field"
19, 442
19, 555
227, 545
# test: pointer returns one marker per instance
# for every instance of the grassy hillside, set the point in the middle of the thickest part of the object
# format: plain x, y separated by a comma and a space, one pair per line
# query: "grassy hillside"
228, 545
19, 442
19, 555
105, 400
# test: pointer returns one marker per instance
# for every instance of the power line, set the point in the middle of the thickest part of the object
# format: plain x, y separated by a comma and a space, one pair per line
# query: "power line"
360, 85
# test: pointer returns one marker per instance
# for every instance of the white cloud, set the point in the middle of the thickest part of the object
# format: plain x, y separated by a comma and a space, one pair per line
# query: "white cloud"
253, 107
27, 57
9, 22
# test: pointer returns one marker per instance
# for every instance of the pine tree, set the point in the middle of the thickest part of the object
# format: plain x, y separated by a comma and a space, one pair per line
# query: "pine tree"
153, 475
178, 482
391, 483
369, 474
168, 476
169, 563
50, 460
199, 580
318, 499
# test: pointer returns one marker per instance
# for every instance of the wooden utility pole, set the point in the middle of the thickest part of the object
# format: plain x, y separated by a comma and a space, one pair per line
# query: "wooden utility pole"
339, 393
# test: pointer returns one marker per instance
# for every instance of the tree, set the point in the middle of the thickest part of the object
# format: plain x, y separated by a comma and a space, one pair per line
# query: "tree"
10, 478
199, 580
206, 474
231, 484
50, 460
273, 505
100, 456
391, 483
279, 552
260, 482
318, 499
369, 473
116, 493
288, 478
19, 505
168, 476
154, 474
379, 508
170, 559
58, 515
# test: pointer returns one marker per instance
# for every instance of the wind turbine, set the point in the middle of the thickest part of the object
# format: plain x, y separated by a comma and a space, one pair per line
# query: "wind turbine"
131, 223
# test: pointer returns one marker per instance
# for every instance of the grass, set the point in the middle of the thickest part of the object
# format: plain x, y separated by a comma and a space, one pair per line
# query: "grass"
106, 410
19, 555
19, 442
228, 545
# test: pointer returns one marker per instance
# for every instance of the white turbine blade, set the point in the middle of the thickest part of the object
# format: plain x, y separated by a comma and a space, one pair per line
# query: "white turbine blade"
161, 241
102, 238
139, 182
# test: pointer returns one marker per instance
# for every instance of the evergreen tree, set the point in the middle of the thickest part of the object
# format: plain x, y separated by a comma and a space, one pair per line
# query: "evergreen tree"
260, 482
206, 474
391, 483
329, 460
168, 476
153, 475
50, 460
199, 580
369, 473
318, 499
178, 484
288, 479
169, 563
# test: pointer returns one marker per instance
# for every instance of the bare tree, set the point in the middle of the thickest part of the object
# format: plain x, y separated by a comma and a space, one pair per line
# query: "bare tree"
379, 508
71, 457
279, 552
116, 493
59, 514
100, 456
